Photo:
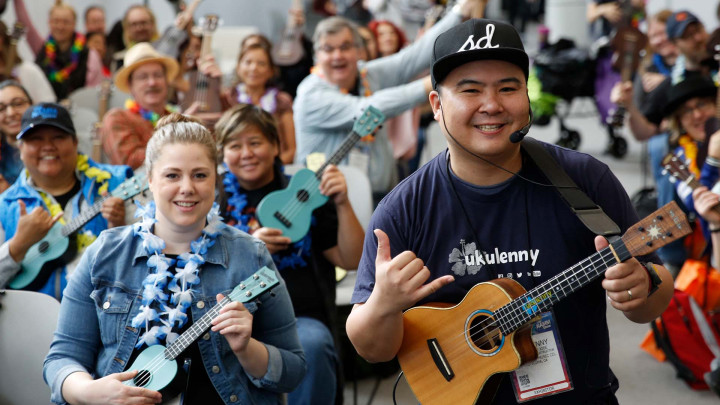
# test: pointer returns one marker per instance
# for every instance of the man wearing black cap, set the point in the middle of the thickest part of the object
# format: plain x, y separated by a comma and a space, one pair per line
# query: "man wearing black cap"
57, 184
483, 210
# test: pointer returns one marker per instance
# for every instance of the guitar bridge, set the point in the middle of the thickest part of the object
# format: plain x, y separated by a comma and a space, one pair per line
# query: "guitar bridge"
280, 217
440, 360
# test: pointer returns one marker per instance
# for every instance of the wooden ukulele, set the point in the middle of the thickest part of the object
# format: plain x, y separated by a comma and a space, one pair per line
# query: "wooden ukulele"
628, 44
57, 248
96, 153
455, 355
205, 90
289, 50
11, 55
157, 364
175, 35
290, 209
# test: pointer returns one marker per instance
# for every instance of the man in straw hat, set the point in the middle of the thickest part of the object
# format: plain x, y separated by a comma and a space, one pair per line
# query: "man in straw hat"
146, 75
483, 210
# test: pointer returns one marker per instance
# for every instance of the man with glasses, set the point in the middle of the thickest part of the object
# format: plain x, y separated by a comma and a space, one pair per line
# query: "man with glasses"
58, 184
138, 25
341, 86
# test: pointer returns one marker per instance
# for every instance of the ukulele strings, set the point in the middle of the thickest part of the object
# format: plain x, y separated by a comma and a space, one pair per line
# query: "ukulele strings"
482, 326
293, 206
37, 253
159, 361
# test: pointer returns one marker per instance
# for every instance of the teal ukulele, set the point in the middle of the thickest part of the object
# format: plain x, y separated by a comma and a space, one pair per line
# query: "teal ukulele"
57, 248
290, 209
157, 365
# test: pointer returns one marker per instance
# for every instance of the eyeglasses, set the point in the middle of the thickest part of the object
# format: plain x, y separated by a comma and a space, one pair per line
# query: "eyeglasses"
140, 24
346, 46
143, 77
700, 105
15, 103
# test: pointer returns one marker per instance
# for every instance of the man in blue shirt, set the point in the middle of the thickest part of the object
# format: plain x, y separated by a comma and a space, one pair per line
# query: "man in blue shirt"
483, 210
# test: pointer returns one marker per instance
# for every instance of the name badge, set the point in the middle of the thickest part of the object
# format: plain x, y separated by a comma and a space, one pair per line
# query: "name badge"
548, 374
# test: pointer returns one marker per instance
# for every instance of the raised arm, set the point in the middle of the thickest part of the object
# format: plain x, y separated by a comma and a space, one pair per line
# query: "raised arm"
31, 34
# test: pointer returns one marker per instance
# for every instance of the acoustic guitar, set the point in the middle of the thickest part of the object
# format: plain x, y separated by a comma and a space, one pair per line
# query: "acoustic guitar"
11, 56
290, 209
289, 50
57, 248
455, 355
157, 365
628, 43
205, 90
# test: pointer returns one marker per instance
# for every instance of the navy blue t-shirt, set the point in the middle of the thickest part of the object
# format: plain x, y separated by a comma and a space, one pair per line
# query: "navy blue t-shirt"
518, 230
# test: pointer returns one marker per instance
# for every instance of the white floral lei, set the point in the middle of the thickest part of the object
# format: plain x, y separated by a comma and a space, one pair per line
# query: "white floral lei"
158, 315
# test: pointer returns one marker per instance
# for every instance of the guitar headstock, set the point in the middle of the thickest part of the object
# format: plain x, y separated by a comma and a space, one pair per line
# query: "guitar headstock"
369, 121
663, 226
131, 187
18, 30
209, 23
678, 169
254, 285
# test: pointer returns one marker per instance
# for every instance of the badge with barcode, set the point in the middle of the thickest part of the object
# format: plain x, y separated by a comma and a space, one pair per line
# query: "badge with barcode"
549, 373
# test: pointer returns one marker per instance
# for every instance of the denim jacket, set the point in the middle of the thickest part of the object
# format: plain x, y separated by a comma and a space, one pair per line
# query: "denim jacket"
95, 334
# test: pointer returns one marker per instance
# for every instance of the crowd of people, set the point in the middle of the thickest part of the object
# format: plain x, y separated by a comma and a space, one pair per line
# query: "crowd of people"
135, 274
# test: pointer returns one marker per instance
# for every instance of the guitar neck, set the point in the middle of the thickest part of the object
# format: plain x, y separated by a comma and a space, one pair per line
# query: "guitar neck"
541, 298
83, 218
340, 153
194, 331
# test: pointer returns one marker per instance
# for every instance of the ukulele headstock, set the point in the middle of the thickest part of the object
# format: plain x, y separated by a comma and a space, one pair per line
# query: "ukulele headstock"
663, 226
677, 168
254, 285
369, 121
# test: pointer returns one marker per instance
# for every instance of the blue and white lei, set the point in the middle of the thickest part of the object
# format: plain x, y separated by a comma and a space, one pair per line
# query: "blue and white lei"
166, 297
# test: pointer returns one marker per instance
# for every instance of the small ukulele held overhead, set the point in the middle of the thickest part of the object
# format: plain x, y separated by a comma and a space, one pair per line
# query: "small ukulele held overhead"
454, 355
289, 49
290, 209
18, 31
205, 90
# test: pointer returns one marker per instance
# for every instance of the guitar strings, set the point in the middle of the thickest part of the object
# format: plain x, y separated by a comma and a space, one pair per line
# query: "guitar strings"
562, 277
159, 361
294, 206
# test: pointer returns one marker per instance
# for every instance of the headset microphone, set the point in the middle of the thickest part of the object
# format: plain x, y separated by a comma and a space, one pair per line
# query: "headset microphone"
518, 136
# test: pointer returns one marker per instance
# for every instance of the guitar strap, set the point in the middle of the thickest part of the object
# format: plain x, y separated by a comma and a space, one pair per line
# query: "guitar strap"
586, 210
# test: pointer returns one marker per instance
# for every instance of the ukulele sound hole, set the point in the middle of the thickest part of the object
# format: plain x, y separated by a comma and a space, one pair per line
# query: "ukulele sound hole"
303, 195
43, 247
142, 378
485, 333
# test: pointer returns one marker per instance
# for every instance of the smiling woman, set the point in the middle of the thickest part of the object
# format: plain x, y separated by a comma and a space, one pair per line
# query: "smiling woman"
159, 278
14, 100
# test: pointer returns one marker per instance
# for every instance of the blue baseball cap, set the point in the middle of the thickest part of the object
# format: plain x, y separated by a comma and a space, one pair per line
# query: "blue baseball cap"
46, 114
678, 22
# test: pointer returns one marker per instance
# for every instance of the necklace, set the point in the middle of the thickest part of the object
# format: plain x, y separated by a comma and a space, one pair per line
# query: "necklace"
56, 74
166, 297
268, 101
244, 219
150, 116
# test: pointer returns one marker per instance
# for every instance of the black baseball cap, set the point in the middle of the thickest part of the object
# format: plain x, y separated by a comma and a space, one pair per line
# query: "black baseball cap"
693, 86
678, 22
49, 114
477, 39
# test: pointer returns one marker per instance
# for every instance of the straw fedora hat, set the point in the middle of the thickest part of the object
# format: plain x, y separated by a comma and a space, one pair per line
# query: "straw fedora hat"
139, 55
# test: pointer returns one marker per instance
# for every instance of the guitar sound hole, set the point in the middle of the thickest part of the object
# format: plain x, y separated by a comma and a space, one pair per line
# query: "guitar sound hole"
303, 195
43, 247
142, 378
485, 333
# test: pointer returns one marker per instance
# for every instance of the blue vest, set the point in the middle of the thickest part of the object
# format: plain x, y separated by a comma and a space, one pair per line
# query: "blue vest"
22, 190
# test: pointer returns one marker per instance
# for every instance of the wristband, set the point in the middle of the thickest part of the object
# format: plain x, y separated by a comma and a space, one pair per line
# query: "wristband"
714, 230
655, 280
712, 161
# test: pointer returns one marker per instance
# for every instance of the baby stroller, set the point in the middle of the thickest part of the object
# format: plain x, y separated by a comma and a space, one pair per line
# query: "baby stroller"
563, 72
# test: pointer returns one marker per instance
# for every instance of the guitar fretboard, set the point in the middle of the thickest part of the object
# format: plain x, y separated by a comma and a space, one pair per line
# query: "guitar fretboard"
521, 310
340, 153
84, 217
194, 331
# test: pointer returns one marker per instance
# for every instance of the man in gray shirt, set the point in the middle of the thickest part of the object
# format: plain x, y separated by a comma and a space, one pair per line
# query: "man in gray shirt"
341, 86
